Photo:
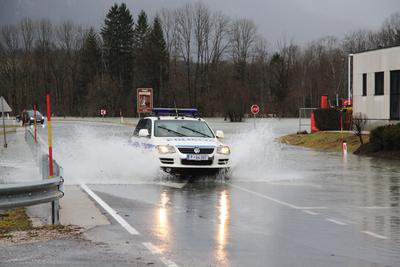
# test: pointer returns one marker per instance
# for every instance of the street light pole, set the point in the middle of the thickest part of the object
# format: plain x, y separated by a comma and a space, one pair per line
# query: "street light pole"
349, 79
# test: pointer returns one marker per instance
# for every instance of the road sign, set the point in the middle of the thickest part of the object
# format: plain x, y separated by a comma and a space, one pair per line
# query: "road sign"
5, 107
103, 112
255, 109
144, 100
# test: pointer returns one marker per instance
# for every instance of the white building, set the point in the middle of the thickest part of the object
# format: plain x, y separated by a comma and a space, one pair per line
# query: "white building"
376, 84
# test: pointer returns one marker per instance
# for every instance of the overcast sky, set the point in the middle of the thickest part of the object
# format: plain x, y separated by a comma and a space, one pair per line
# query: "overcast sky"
300, 20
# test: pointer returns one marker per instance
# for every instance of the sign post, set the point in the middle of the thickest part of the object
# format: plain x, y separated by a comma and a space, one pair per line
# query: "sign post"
4, 108
255, 109
34, 122
49, 136
144, 100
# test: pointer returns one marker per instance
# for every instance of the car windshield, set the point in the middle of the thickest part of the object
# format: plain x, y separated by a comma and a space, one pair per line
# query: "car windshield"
182, 128
30, 113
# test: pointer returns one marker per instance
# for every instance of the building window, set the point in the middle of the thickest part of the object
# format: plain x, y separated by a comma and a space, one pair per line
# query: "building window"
379, 83
364, 84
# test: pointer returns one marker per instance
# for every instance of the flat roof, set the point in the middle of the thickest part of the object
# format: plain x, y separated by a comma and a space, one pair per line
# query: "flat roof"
376, 49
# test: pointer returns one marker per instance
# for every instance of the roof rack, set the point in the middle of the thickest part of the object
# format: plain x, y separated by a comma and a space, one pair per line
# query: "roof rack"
179, 112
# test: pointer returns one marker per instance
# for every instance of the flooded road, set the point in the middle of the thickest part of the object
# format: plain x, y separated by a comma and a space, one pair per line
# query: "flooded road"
282, 206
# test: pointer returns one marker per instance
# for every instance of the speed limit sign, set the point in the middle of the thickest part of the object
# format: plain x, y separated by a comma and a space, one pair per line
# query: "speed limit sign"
103, 112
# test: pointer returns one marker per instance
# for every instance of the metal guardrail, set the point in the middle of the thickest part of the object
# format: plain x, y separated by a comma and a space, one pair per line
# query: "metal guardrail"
29, 194
37, 192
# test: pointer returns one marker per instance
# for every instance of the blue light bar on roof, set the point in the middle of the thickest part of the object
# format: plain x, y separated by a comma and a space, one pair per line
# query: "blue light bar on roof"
192, 112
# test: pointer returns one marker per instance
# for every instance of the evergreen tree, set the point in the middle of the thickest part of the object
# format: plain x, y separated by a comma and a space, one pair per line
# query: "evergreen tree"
117, 35
158, 58
89, 67
141, 34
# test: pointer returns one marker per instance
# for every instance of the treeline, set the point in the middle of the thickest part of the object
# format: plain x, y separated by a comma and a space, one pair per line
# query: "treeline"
190, 56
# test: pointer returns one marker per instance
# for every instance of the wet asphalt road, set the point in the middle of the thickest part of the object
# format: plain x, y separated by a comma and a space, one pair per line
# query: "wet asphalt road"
300, 208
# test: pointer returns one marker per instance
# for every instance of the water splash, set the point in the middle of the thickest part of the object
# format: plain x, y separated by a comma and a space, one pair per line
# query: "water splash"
255, 153
103, 157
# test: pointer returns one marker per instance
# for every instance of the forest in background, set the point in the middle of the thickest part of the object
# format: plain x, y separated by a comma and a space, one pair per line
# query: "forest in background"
190, 56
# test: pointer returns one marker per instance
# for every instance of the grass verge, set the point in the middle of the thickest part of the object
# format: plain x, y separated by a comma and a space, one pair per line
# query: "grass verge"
15, 227
14, 220
324, 141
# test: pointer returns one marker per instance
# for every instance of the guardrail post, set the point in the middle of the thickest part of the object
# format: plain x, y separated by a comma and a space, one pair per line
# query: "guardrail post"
55, 212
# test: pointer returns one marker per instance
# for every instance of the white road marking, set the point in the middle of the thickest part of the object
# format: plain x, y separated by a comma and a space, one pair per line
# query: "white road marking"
310, 212
110, 211
172, 184
374, 234
335, 221
155, 250
276, 200
290, 183
168, 262
375, 207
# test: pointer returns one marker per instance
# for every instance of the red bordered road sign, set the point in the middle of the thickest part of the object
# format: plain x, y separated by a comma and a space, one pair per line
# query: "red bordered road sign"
255, 109
144, 100
103, 112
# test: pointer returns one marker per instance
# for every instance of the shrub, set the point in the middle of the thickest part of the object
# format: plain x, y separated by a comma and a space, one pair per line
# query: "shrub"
327, 119
376, 136
387, 137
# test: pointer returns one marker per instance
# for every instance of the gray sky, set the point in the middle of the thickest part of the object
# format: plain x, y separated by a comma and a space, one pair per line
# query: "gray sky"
300, 20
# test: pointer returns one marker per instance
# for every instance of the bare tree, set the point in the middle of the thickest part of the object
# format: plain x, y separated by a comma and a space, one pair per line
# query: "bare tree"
27, 34
359, 122
202, 30
242, 38
390, 32
10, 43
184, 26
218, 40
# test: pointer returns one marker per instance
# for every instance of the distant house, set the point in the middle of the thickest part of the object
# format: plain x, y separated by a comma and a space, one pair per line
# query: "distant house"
376, 84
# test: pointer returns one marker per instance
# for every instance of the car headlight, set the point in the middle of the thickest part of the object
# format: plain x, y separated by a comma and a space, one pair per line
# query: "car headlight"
225, 150
165, 149
31, 118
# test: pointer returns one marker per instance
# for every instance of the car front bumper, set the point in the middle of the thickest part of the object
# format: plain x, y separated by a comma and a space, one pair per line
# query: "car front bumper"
180, 161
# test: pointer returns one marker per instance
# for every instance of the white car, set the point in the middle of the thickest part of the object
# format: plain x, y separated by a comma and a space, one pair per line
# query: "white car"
183, 143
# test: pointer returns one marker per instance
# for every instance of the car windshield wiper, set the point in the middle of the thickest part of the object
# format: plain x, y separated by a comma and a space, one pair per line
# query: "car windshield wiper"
170, 130
193, 130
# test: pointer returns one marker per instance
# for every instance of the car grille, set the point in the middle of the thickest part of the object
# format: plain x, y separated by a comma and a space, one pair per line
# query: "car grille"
197, 162
190, 150
223, 161
167, 161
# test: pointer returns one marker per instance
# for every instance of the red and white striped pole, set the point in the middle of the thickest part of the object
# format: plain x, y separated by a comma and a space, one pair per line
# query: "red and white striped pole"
49, 136
34, 122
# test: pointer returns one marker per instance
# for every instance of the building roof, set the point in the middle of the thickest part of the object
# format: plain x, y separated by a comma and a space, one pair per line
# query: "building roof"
376, 49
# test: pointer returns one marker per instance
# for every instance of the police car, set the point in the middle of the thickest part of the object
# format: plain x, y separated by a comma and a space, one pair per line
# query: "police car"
183, 142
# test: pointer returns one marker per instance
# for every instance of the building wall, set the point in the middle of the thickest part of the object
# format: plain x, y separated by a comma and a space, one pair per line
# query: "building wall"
375, 107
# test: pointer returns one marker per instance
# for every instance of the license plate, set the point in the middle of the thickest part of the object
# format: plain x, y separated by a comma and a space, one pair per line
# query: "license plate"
197, 157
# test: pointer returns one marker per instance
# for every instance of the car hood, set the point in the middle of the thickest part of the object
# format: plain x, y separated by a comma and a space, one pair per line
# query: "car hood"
190, 141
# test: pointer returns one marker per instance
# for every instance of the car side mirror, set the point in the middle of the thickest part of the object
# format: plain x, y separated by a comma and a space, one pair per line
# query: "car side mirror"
219, 134
144, 133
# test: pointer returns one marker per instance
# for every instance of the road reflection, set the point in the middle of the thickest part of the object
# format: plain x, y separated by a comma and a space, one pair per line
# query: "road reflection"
223, 227
163, 225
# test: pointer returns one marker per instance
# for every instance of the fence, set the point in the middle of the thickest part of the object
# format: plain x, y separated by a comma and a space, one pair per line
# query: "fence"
304, 115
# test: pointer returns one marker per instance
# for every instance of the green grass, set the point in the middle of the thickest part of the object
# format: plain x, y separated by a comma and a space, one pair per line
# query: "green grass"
325, 141
14, 220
